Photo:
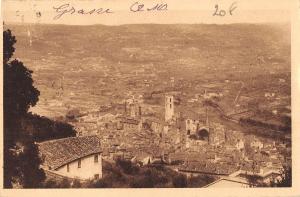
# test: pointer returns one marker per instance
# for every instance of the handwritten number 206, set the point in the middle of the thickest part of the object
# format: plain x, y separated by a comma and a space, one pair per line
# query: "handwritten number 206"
222, 12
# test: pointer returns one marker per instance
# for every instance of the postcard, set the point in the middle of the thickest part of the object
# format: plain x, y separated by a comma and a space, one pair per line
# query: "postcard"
147, 97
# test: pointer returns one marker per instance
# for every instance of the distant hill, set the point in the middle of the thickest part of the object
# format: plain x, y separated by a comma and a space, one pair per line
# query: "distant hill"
238, 44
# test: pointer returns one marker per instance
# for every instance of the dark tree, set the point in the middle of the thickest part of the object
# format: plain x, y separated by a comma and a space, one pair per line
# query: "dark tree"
8, 45
42, 128
286, 178
29, 162
21, 160
19, 92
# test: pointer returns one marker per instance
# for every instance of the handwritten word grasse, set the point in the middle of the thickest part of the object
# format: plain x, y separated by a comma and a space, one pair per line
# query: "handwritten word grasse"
67, 9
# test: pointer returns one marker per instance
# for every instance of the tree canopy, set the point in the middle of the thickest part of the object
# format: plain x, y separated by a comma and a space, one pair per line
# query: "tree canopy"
21, 159
21, 128
19, 92
8, 45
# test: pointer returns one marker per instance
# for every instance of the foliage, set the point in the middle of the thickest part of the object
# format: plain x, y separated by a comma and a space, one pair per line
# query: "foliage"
21, 160
142, 182
102, 183
179, 181
42, 128
51, 183
8, 45
151, 177
29, 162
76, 183
127, 166
286, 178
254, 181
19, 92
65, 183
199, 181
9, 170
155, 176
21, 129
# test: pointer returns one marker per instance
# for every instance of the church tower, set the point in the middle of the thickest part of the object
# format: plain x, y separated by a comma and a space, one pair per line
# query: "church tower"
169, 107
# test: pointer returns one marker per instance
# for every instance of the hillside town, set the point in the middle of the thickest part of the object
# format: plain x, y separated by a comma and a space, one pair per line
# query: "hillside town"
189, 143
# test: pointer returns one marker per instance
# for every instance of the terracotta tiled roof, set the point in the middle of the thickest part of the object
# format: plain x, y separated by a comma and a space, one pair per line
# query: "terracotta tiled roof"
57, 153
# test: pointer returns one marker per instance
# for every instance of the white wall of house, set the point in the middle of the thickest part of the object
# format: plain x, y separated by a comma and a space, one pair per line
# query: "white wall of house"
88, 168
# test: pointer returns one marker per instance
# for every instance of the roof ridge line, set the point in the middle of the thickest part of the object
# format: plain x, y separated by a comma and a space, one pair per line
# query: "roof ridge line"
61, 139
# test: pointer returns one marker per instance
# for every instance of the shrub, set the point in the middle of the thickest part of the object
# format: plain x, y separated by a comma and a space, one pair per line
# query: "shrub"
200, 180
103, 183
127, 166
179, 181
50, 184
65, 183
142, 182
76, 183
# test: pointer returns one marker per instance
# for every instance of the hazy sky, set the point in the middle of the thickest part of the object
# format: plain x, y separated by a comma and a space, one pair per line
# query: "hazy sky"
191, 11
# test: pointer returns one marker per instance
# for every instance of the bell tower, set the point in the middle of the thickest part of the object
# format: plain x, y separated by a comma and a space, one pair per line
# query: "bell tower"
169, 107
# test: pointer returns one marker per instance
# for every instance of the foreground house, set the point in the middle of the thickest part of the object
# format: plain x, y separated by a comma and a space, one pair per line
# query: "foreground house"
240, 179
74, 157
229, 183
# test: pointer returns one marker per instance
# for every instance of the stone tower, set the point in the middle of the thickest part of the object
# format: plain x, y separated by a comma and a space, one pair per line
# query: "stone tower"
169, 107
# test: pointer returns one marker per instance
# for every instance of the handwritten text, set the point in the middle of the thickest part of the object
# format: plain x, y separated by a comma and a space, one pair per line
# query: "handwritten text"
67, 9
139, 7
222, 12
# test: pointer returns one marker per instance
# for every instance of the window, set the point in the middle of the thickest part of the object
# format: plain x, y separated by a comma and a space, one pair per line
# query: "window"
96, 176
79, 163
68, 168
170, 99
96, 158
170, 105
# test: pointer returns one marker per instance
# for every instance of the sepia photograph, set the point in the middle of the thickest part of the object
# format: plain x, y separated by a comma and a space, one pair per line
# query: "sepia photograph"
147, 95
